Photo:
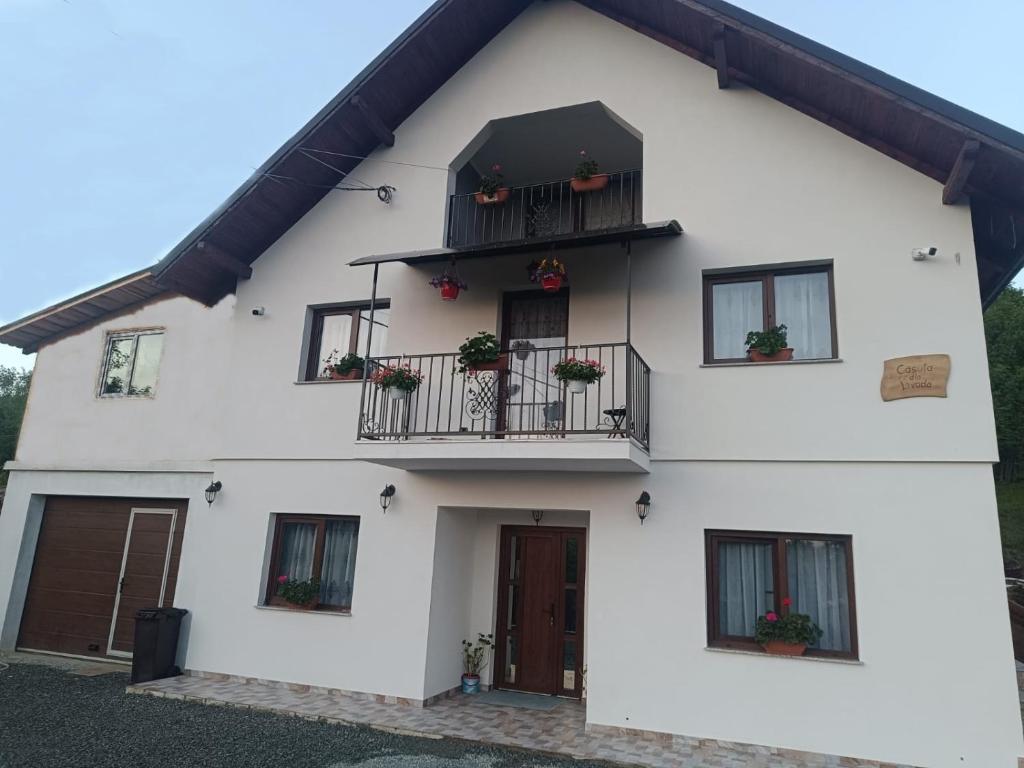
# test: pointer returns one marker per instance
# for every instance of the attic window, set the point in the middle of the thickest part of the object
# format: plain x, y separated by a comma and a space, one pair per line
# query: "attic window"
131, 363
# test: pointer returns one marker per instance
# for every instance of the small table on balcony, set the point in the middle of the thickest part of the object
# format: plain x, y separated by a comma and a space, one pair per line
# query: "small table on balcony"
617, 416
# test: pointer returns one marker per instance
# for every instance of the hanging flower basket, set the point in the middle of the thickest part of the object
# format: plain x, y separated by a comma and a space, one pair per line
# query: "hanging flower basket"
449, 283
398, 381
551, 283
550, 273
577, 374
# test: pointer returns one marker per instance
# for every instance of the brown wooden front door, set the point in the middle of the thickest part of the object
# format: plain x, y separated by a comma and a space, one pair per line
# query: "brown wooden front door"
539, 636
86, 546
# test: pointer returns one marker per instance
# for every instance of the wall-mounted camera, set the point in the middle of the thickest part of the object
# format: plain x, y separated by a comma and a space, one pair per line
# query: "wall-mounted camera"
920, 254
259, 311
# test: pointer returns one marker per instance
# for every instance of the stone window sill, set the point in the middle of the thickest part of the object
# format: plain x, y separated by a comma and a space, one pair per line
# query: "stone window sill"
302, 611
748, 364
762, 654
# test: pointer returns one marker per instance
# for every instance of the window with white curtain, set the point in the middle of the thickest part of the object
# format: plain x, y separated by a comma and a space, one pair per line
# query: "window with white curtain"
800, 298
751, 573
337, 331
320, 547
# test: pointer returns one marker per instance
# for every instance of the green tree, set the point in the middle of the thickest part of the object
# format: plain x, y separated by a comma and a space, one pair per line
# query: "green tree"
1004, 334
14, 383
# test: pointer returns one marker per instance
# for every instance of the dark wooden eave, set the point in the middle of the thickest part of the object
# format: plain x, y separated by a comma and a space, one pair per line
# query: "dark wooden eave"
624, 234
906, 123
80, 312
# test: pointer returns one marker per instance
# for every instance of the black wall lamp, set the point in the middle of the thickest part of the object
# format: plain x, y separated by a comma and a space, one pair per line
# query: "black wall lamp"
211, 491
538, 515
643, 506
385, 497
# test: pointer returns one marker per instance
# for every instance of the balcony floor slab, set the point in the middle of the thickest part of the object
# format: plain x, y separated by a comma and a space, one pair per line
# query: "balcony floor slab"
543, 455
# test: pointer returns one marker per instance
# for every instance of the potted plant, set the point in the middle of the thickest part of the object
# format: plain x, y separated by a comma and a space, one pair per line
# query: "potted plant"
491, 192
577, 374
348, 368
449, 284
481, 353
586, 178
788, 634
550, 273
768, 346
299, 594
522, 349
474, 659
397, 380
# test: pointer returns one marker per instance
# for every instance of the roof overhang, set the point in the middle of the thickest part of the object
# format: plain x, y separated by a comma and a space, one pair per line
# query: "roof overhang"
624, 234
125, 294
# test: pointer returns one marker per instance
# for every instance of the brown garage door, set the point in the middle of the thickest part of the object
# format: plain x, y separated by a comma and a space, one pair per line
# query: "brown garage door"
97, 557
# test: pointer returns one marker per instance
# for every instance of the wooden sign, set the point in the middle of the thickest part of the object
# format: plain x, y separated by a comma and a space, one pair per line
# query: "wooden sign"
916, 376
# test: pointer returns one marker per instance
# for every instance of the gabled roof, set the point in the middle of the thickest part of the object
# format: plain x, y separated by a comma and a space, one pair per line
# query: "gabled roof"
966, 152
79, 312
914, 127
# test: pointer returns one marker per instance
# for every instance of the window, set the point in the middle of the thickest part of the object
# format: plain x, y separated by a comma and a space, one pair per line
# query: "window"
801, 298
343, 329
131, 363
750, 574
321, 547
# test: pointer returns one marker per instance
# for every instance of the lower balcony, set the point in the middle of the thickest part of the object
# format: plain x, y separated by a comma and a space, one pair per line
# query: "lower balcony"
513, 414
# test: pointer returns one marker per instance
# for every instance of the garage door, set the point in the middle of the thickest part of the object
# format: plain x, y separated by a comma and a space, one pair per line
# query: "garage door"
98, 560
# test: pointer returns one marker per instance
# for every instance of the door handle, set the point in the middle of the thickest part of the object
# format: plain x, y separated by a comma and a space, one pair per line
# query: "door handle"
552, 617
120, 586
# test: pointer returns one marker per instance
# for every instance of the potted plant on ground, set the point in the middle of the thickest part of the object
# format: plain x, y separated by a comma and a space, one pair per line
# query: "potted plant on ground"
788, 634
397, 380
299, 594
586, 178
577, 374
348, 368
474, 659
481, 353
768, 346
550, 273
491, 192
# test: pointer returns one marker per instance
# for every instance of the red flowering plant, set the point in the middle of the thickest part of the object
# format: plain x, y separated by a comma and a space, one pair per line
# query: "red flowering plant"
298, 592
573, 369
398, 377
586, 168
491, 183
791, 628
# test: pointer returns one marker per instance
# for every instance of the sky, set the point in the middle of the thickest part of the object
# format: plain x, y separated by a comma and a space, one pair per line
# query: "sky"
125, 123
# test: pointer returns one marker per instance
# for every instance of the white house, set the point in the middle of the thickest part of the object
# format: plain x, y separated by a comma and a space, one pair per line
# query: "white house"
755, 179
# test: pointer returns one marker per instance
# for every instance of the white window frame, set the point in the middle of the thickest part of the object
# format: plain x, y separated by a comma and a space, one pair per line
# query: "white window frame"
113, 336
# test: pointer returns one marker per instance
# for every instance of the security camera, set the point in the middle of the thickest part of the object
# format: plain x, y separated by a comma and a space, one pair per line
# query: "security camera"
920, 254
259, 311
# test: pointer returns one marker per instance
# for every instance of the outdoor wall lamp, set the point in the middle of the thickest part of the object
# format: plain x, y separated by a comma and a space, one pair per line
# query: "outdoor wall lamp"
385, 497
211, 491
538, 515
643, 506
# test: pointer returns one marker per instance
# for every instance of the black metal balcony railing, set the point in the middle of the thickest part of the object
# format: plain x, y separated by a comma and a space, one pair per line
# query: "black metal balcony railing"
545, 210
521, 398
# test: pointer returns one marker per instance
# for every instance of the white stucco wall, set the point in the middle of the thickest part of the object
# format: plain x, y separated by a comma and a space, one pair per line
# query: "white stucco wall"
789, 448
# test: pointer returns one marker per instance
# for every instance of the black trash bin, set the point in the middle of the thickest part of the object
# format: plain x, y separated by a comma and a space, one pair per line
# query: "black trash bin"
156, 643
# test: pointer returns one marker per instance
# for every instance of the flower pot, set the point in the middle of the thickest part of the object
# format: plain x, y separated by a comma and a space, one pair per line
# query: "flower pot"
782, 648
311, 605
551, 283
780, 356
500, 364
353, 374
449, 291
471, 683
500, 196
397, 394
593, 184
577, 386
523, 353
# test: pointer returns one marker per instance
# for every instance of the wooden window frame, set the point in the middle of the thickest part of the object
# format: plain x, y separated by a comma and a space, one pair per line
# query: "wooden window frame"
316, 331
320, 521
781, 585
767, 277
108, 344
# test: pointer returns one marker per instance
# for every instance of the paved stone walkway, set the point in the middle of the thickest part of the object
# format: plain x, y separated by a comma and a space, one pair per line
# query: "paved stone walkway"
558, 731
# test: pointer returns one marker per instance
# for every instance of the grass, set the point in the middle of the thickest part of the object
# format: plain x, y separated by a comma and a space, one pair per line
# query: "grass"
1010, 499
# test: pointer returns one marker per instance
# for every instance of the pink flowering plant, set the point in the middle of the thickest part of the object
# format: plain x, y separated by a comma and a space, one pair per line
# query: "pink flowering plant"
789, 627
574, 369
586, 168
398, 377
491, 183
297, 592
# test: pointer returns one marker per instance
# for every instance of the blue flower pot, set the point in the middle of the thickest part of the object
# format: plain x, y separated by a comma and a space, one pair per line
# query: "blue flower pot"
471, 684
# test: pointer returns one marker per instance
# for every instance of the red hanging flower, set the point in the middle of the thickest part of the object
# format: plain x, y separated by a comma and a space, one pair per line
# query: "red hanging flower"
786, 602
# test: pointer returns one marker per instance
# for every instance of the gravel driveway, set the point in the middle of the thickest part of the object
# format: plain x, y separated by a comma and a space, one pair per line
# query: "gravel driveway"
51, 717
